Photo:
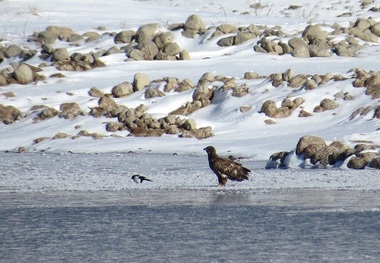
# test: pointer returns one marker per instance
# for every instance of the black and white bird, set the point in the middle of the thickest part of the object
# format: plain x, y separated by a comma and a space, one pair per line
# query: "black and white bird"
140, 178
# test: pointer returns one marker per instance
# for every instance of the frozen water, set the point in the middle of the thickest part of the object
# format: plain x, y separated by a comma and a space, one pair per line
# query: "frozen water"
190, 226
86, 208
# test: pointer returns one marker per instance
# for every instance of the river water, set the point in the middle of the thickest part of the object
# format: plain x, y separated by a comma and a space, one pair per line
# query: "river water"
191, 226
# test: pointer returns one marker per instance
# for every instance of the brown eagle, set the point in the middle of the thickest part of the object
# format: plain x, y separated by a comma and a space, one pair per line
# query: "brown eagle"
225, 168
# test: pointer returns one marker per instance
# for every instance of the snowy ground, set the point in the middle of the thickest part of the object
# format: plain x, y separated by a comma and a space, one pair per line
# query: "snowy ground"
35, 172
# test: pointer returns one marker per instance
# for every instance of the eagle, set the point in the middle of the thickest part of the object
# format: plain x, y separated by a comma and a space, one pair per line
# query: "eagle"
140, 178
226, 168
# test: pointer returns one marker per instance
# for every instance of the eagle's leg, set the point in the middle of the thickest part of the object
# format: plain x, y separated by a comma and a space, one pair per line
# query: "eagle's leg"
222, 180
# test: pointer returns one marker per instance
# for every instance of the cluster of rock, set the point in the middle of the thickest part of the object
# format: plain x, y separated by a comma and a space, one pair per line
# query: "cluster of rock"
20, 73
147, 43
319, 154
15, 51
151, 42
362, 78
314, 42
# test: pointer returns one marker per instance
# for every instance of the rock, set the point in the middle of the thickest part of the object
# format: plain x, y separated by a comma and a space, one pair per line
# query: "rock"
184, 55
304, 114
112, 50
46, 113
70, 110
171, 84
136, 54
73, 65
310, 84
172, 49
41, 139
279, 158
301, 52
12, 50
269, 108
163, 39
251, 75
317, 51
307, 140
9, 114
189, 125
226, 28
375, 29
297, 81
297, 42
23, 74
140, 81
375, 163
61, 54
328, 104
91, 36
75, 38
60, 135
241, 37
362, 24
244, 109
226, 41
106, 103
47, 37
361, 160
373, 86
145, 132
153, 92
202, 133
123, 89
314, 35
149, 49
194, 25
288, 74
146, 32
124, 37
115, 126
63, 33
186, 84
95, 92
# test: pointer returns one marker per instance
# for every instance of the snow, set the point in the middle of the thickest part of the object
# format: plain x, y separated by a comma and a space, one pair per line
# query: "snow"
240, 134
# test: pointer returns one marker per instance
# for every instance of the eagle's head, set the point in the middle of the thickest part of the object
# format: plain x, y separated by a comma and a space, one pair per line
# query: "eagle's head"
210, 150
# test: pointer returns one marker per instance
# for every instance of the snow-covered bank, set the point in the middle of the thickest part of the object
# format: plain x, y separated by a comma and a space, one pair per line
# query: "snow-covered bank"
238, 124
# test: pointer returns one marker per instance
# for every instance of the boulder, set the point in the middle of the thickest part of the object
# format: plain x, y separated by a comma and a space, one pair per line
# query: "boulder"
23, 74
149, 49
123, 89
375, 163
47, 37
61, 54
125, 36
307, 140
146, 32
163, 39
9, 114
12, 50
70, 110
194, 25
140, 81
328, 104
153, 92
314, 35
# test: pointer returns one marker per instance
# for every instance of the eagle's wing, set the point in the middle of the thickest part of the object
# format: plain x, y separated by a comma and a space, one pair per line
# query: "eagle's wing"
233, 170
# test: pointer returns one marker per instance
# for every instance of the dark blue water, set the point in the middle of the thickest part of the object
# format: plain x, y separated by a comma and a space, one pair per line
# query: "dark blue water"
194, 227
